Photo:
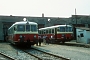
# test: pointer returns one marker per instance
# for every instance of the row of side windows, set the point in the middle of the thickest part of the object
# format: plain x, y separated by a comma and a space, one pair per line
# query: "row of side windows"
59, 29
49, 31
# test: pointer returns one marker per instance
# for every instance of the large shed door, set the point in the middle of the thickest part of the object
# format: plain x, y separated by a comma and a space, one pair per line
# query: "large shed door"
5, 30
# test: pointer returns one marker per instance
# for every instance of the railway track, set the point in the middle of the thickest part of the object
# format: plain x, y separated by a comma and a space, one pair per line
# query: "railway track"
41, 55
31, 54
5, 57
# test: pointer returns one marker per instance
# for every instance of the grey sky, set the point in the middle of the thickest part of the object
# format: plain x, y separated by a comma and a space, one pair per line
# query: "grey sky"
51, 8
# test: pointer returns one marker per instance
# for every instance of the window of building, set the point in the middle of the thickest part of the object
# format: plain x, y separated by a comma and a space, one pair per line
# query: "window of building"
81, 35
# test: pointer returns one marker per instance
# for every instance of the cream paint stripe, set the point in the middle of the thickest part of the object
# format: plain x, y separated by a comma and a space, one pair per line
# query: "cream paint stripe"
64, 32
26, 33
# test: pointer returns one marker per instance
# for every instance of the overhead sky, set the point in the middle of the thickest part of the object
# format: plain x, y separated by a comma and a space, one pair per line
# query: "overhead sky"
50, 8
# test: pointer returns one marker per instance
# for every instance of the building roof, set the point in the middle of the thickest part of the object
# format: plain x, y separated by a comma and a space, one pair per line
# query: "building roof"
83, 28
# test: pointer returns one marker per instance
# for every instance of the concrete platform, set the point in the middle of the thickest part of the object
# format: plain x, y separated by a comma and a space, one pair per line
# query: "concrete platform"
77, 44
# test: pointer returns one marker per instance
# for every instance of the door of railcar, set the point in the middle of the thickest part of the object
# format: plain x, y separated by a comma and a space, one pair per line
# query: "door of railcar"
55, 33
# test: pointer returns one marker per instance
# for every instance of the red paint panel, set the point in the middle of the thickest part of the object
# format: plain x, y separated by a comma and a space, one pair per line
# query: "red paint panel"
59, 35
27, 36
68, 35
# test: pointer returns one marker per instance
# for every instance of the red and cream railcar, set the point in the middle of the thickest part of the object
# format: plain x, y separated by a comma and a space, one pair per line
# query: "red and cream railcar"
58, 33
23, 32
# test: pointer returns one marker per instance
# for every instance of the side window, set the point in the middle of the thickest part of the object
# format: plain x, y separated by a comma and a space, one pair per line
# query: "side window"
44, 31
52, 30
15, 28
40, 32
49, 31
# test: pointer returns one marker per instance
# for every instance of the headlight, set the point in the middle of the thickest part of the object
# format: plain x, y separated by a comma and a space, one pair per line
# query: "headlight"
34, 36
63, 35
20, 36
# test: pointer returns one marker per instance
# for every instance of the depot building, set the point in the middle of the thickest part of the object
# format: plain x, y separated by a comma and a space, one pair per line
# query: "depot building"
7, 21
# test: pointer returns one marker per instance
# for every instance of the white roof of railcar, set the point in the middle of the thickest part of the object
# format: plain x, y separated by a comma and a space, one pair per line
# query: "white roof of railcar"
23, 22
51, 27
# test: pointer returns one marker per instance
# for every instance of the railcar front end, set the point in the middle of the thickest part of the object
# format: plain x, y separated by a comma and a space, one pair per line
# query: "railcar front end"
23, 33
58, 33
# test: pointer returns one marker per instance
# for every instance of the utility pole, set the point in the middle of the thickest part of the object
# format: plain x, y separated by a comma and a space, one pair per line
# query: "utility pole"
76, 17
74, 27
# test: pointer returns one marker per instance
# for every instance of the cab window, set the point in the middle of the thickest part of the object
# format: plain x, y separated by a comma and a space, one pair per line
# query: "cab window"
21, 28
33, 28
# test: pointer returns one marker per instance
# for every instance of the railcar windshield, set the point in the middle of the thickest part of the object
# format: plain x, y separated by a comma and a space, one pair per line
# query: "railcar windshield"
33, 28
65, 29
27, 27
62, 29
70, 29
21, 28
